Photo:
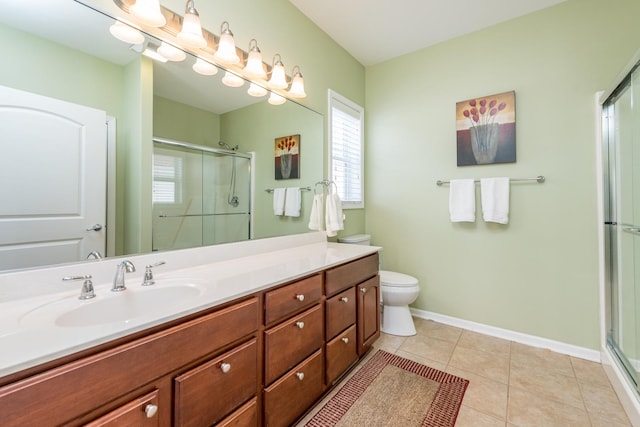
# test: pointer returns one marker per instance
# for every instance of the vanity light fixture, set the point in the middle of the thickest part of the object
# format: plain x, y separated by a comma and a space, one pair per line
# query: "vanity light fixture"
148, 12
191, 33
256, 90
255, 68
125, 33
152, 53
275, 99
232, 80
278, 78
172, 53
226, 52
205, 68
297, 84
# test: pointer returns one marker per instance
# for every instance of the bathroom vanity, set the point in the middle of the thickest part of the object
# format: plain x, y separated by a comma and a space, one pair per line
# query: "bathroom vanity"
261, 343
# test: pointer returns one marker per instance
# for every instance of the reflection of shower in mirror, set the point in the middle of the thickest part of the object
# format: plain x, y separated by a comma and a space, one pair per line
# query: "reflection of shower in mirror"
232, 198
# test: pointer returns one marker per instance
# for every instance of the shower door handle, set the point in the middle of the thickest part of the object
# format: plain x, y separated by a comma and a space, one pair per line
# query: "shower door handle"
632, 230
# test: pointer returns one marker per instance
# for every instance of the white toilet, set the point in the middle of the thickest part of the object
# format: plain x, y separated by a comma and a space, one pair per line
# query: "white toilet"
397, 291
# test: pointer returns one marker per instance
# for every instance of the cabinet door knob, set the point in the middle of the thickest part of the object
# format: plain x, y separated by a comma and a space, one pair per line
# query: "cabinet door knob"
225, 367
344, 299
300, 375
363, 290
345, 340
150, 410
300, 325
300, 297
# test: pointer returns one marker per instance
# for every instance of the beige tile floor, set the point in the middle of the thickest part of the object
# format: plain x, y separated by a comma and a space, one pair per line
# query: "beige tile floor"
511, 384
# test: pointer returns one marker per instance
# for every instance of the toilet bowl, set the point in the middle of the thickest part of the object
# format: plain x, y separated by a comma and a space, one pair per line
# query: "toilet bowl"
397, 291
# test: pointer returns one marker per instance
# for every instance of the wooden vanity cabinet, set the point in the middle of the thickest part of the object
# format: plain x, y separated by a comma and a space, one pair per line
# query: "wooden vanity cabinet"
368, 313
142, 412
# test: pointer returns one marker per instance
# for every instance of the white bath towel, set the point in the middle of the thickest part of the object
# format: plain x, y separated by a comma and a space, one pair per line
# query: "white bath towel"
462, 200
315, 219
495, 199
333, 214
292, 201
278, 201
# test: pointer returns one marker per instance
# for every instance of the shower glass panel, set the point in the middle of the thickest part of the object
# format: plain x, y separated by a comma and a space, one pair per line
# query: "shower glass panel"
621, 128
200, 196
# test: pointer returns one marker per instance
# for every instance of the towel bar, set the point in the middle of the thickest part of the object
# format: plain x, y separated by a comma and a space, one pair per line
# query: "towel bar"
539, 178
270, 190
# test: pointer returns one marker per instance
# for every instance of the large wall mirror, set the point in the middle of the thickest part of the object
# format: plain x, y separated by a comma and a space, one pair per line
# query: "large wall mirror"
63, 50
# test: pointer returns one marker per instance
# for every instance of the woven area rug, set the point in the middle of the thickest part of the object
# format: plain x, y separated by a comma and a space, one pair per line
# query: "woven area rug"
389, 390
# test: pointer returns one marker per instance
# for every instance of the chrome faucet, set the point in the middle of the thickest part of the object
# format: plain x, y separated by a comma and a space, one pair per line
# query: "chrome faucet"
118, 281
95, 254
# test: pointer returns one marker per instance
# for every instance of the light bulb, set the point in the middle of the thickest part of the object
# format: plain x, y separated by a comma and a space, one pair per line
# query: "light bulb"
255, 68
256, 90
125, 33
205, 68
232, 80
191, 33
172, 53
278, 78
148, 12
275, 99
297, 84
226, 52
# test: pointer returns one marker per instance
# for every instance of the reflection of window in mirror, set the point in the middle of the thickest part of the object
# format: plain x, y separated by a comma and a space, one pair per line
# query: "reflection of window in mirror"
167, 179
346, 141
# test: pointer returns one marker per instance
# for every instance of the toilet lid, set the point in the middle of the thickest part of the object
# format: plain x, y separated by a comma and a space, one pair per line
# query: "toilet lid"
391, 278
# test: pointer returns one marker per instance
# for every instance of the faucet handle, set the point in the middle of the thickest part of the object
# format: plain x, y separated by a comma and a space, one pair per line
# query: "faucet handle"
148, 274
87, 291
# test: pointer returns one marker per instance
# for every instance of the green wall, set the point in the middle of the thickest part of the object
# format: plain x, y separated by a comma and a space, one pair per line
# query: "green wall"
537, 275
180, 122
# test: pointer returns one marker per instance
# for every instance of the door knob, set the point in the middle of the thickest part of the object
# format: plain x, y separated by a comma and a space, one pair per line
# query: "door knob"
95, 227
150, 410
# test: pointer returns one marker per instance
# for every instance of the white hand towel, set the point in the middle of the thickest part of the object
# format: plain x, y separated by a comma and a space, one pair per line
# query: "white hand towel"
278, 201
333, 214
462, 200
495, 199
315, 219
292, 201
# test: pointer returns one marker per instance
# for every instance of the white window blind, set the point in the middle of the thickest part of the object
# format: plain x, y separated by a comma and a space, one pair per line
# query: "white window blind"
346, 148
167, 178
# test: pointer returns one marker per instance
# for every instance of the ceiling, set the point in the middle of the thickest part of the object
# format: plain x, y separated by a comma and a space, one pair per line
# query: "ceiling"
379, 30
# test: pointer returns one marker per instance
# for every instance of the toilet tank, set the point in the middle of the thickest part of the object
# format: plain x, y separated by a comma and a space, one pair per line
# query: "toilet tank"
356, 239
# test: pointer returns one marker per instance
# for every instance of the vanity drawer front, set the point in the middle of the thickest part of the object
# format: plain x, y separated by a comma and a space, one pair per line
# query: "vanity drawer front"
347, 275
141, 412
341, 312
79, 386
208, 393
290, 396
292, 298
245, 416
291, 341
341, 353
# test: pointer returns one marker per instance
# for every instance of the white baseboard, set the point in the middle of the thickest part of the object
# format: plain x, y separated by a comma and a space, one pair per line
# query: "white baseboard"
531, 340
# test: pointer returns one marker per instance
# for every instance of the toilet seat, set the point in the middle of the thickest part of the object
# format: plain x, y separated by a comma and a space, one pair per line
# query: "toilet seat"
396, 280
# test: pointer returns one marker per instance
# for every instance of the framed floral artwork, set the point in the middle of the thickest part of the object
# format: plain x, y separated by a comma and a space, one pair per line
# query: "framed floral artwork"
486, 129
287, 157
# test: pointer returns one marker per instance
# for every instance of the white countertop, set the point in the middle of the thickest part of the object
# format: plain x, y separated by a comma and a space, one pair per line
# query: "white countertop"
221, 274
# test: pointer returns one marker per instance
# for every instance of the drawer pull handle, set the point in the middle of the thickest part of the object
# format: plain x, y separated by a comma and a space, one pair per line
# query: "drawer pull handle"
150, 410
363, 290
300, 375
225, 367
300, 297
345, 340
300, 325
344, 299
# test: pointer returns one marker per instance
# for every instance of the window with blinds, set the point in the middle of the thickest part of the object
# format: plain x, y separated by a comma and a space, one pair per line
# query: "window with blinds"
346, 148
167, 179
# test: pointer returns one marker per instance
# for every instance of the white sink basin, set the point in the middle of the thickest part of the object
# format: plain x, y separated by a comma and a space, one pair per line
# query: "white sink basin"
112, 307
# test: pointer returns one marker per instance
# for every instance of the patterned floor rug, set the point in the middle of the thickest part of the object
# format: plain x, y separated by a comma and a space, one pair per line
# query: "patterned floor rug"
389, 390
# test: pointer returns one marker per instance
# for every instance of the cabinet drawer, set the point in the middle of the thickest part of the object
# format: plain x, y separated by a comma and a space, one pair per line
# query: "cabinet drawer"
208, 393
292, 298
341, 312
291, 341
141, 412
289, 397
347, 275
245, 416
105, 376
341, 353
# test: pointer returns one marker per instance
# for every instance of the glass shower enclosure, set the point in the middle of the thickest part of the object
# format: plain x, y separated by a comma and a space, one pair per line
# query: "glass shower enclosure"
621, 155
201, 195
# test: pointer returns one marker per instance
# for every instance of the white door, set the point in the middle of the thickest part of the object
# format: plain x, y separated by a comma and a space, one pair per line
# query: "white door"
53, 171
